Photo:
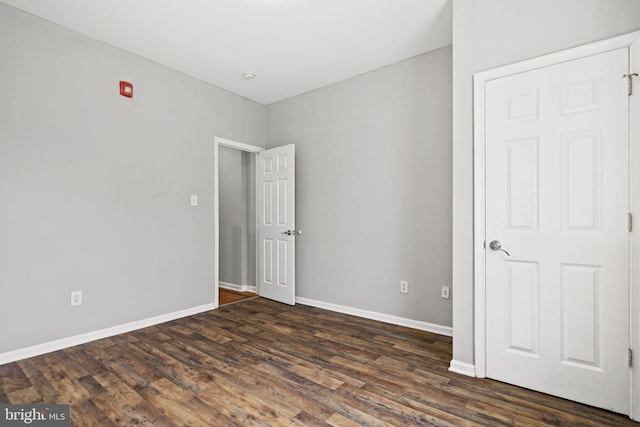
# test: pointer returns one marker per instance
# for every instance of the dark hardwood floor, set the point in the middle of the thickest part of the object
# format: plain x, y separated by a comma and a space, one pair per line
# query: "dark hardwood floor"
262, 363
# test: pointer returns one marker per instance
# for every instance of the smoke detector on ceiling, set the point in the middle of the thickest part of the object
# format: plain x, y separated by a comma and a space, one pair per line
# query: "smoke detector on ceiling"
249, 76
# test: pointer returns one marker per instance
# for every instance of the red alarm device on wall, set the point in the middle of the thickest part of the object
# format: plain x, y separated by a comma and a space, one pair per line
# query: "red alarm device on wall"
126, 89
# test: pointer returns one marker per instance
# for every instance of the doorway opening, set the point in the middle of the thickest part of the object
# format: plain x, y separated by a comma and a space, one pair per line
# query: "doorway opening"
274, 220
236, 196
235, 266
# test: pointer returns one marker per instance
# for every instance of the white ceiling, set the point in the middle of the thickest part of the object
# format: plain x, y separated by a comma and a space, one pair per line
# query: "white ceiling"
292, 46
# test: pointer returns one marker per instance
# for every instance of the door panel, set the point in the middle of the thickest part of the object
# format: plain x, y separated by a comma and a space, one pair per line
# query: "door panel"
522, 311
557, 198
580, 308
276, 201
522, 184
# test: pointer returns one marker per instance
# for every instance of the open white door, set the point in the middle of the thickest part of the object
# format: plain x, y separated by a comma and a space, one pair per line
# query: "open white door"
557, 238
276, 224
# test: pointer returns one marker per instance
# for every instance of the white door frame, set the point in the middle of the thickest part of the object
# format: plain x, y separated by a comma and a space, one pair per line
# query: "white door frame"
631, 40
217, 143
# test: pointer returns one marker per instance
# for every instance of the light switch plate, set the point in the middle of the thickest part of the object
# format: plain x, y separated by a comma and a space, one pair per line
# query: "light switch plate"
194, 200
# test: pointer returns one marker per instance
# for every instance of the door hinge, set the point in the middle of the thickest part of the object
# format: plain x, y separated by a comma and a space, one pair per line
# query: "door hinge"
630, 357
629, 221
629, 78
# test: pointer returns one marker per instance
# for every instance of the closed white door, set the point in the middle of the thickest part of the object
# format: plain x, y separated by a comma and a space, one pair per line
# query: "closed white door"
557, 200
276, 224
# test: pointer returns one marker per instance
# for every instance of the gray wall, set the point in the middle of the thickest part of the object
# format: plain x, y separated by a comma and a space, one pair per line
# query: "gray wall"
373, 187
237, 216
94, 187
488, 34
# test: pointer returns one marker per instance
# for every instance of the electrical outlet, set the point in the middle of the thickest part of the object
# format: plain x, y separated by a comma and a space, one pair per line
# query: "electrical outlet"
76, 298
445, 292
194, 200
404, 286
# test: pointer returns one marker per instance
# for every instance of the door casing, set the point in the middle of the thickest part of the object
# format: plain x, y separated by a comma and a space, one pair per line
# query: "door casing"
632, 41
217, 143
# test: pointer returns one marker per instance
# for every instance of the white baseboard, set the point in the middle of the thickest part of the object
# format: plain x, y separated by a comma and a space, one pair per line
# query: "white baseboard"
387, 318
63, 343
462, 368
36, 350
239, 288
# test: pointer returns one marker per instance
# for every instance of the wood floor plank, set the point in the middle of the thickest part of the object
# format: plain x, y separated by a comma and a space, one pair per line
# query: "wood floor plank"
150, 412
93, 387
399, 408
119, 411
257, 362
226, 296
81, 358
47, 392
69, 390
182, 406
87, 414
238, 406
337, 420
12, 378
277, 393
127, 369
69, 366
27, 395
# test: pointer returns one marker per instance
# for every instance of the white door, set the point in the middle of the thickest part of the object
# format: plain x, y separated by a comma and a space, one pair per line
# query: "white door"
557, 199
276, 224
